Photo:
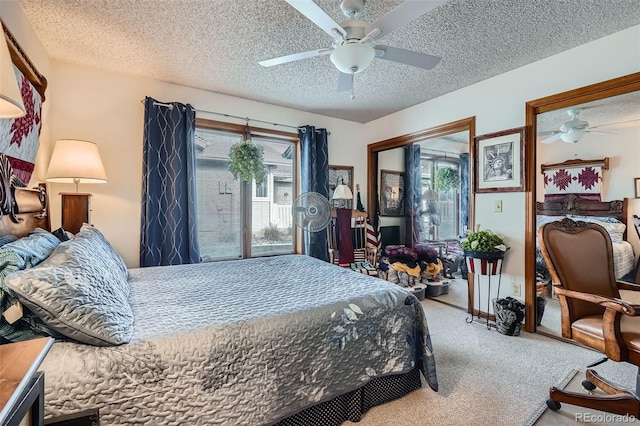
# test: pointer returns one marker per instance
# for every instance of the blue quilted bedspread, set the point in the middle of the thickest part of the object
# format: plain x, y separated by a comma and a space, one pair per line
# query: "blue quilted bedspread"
242, 342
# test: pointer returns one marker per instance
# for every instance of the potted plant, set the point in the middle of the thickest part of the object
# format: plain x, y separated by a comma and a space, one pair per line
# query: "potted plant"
247, 161
446, 178
483, 244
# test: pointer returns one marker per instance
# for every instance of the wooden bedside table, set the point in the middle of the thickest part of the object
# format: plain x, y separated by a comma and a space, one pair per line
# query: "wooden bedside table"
21, 385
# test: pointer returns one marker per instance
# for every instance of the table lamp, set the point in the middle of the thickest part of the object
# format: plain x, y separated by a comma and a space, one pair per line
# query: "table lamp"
75, 161
343, 192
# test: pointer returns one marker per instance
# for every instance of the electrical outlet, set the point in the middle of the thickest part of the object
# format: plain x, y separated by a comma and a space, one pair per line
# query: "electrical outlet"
498, 206
516, 289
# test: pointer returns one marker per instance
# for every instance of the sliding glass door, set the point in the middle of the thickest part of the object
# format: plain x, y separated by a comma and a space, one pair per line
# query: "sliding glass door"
239, 219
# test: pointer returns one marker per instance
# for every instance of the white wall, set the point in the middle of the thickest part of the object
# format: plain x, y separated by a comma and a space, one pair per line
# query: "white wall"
499, 103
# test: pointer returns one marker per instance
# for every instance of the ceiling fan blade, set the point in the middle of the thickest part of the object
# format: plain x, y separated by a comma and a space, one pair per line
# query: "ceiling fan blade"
345, 82
403, 14
613, 124
598, 132
550, 132
294, 57
553, 138
408, 57
315, 14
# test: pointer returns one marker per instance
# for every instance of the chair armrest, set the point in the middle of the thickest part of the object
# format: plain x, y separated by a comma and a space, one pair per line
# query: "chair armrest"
614, 346
624, 285
617, 305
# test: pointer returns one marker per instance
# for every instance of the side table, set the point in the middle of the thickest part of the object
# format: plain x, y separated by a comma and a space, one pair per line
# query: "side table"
22, 390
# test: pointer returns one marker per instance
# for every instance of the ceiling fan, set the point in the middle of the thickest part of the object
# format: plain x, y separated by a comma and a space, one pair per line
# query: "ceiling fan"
571, 131
353, 46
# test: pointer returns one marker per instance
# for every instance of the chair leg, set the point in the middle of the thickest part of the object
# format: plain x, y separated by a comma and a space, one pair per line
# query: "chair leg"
622, 404
605, 385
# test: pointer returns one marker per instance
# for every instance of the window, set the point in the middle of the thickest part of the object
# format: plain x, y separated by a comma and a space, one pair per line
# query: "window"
441, 218
237, 219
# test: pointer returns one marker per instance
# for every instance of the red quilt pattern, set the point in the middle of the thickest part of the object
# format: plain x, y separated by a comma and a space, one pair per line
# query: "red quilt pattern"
578, 180
19, 137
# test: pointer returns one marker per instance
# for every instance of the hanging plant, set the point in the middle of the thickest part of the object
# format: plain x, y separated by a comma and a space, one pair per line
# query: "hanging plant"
446, 178
247, 161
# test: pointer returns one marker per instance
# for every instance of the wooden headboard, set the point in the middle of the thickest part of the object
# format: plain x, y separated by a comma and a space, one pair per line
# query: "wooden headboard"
572, 204
21, 209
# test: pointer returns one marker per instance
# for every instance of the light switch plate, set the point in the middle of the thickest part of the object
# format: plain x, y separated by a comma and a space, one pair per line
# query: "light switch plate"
498, 206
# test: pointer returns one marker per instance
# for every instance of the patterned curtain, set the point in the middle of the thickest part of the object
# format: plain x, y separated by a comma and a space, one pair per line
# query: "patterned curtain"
169, 234
314, 169
584, 181
464, 193
413, 194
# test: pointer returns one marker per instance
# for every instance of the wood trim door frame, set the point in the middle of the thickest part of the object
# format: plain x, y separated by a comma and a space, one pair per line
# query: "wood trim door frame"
617, 86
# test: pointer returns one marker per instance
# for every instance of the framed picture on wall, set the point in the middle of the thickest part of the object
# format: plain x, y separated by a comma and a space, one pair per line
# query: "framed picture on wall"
391, 193
338, 175
637, 186
499, 164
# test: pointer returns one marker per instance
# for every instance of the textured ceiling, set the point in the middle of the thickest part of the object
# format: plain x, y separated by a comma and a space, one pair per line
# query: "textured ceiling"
215, 45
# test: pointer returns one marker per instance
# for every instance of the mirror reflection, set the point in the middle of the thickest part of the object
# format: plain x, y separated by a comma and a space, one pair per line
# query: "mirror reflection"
605, 128
433, 222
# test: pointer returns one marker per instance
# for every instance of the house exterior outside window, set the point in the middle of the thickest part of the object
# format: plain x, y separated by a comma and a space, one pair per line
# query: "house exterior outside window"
238, 219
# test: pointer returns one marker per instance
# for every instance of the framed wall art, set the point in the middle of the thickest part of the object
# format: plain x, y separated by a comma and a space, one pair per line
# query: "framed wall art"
637, 187
499, 164
338, 175
391, 193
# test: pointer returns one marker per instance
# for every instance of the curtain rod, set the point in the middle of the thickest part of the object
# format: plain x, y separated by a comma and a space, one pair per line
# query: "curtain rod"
231, 116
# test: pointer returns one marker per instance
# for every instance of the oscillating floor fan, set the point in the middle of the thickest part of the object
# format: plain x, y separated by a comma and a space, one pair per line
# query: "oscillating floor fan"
311, 211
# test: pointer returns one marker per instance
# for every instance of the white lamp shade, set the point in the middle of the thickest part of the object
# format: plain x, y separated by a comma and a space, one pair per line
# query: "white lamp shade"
429, 195
75, 161
11, 105
352, 57
342, 192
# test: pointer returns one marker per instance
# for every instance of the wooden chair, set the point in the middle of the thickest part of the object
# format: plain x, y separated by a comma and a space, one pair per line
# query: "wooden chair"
579, 256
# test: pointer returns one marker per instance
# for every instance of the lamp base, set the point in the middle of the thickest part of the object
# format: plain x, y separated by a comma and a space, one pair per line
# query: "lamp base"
75, 210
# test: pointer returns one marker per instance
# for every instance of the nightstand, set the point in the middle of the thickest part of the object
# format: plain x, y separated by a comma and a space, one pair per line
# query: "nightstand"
75, 210
22, 390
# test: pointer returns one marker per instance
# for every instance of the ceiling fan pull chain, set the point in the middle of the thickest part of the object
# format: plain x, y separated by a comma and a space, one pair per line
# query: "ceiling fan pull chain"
353, 79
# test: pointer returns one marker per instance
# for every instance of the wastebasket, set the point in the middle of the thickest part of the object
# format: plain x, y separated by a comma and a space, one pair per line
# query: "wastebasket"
541, 302
509, 314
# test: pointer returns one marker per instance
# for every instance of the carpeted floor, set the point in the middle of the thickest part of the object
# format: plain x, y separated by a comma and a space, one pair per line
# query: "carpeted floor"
486, 377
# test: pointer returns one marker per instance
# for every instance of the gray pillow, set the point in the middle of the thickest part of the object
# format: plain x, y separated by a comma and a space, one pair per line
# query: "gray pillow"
17, 255
81, 290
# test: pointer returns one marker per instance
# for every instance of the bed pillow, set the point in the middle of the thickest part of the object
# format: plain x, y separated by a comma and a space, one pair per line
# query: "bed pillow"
613, 226
18, 255
542, 219
81, 290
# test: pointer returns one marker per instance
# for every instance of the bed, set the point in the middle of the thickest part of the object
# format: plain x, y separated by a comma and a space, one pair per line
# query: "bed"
609, 214
282, 340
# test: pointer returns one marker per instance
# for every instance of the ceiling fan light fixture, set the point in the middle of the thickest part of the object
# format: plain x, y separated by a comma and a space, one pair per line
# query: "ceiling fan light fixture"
572, 136
352, 57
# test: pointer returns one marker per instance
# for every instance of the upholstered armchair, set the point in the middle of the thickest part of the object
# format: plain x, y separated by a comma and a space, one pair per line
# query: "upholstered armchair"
579, 256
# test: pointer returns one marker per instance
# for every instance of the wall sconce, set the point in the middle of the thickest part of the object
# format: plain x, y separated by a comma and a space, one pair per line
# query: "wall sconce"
11, 105
342, 192
75, 161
